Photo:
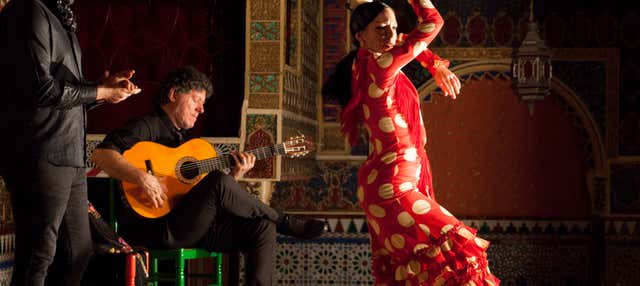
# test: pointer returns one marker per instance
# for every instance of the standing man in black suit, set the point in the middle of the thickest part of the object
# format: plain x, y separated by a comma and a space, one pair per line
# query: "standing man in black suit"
42, 121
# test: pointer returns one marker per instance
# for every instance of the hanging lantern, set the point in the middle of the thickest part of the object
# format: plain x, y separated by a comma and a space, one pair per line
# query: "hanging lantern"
532, 66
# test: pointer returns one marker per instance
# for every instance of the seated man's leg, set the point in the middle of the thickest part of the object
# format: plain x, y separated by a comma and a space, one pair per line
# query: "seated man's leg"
219, 193
255, 237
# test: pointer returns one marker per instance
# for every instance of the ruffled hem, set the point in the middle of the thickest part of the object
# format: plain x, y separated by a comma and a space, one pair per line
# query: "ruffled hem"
456, 258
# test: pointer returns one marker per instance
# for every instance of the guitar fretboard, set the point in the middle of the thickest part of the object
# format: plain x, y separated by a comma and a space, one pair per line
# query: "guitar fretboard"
226, 161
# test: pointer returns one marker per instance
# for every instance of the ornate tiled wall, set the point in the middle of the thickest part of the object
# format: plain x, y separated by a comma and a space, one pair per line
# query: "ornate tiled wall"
283, 82
522, 253
590, 122
7, 243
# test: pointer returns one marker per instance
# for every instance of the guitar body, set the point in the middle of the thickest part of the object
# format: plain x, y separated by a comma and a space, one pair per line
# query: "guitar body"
166, 163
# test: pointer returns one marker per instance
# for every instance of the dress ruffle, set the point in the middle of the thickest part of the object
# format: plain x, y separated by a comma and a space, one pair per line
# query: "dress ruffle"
455, 258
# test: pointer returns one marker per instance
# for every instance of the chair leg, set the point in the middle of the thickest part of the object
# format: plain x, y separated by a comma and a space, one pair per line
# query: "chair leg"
154, 272
219, 269
180, 272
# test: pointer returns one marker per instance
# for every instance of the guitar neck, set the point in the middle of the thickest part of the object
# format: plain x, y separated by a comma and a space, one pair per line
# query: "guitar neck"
226, 161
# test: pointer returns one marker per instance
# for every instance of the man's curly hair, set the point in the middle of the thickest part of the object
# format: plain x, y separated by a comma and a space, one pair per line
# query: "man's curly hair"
182, 80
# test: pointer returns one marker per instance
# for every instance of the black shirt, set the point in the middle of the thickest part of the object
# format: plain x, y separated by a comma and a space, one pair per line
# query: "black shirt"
155, 127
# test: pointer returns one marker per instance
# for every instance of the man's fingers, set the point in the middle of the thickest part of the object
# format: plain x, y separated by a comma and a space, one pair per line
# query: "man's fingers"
126, 74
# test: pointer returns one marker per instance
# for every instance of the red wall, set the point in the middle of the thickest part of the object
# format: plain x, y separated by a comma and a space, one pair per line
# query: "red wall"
491, 158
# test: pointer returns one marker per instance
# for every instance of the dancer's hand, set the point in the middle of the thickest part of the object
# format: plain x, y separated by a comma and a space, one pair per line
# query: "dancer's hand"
448, 82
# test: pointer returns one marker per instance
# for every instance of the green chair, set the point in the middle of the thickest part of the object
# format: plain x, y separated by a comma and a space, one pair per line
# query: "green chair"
179, 256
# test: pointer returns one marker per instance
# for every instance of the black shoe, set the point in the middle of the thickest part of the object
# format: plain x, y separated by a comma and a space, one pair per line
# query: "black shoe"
299, 227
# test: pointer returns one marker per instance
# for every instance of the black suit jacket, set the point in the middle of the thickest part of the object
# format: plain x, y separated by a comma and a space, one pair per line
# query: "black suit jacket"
43, 94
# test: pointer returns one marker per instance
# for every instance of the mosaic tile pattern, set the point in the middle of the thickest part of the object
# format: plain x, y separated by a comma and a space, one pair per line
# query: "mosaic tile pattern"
265, 31
263, 83
7, 246
265, 9
518, 255
265, 101
261, 130
333, 188
620, 255
264, 57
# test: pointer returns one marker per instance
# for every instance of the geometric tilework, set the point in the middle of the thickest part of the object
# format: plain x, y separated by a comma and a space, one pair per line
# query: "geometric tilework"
558, 257
265, 31
7, 246
261, 131
263, 83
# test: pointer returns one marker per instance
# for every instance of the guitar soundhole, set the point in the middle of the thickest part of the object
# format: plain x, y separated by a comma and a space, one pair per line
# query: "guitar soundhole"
189, 170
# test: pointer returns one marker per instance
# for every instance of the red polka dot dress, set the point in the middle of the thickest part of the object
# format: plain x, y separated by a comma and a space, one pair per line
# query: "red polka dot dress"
414, 240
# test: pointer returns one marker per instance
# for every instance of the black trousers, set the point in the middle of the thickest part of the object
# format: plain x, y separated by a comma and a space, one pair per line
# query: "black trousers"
50, 211
218, 215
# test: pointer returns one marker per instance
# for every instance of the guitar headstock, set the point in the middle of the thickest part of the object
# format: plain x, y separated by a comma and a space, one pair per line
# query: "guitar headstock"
298, 146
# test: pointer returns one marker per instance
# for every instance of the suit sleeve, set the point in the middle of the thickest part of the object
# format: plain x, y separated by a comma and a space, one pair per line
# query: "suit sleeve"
51, 92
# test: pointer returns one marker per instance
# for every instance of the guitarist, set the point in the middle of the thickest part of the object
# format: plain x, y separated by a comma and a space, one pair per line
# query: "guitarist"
217, 214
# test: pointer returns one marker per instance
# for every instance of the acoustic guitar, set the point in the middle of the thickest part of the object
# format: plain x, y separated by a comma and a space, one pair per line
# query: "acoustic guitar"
183, 167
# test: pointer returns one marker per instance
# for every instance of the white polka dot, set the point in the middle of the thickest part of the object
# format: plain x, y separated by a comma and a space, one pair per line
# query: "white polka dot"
374, 225
421, 207
406, 186
405, 219
400, 121
385, 60
372, 176
419, 247
397, 240
446, 245
445, 211
371, 147
360, 194
375, 91
365, 110
413, 267
481, 242
426, 27
389, 157
385, 191
446, 229
423, 276
378, 146
386, 125
387, 245
419, 172
396, 170
410, 154
377, 211
425, 229
465, 233
381, 252
389, 102
419, 47
433, 252
426, 4
401, 273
